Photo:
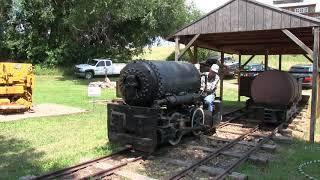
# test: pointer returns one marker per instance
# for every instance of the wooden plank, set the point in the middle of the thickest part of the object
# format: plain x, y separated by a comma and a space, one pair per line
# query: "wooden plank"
188, 46
177, 48
266, 147
298, 41
204, 25
211, 170
315, 76
212, 23
305, 23
131, 175
252, 158
197, 28
285, 20
250, 16
282, 139
235, 15
258, 18
267, 18
276, 20
242, 15
219, 20
226, 12
295, 22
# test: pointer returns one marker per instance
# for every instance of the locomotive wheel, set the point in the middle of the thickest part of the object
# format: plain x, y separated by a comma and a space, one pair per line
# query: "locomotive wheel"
197, 120
174, 141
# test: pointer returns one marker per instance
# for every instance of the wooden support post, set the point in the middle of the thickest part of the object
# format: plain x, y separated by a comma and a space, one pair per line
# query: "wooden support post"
239, 73
298, 41
188, 45
266, 61
280, 62
314, 103
221, 75
242, 66
177, 48
195, 54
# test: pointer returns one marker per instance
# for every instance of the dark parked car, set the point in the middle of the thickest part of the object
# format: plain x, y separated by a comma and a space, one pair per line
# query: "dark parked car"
306, 78
254, 67
231, 66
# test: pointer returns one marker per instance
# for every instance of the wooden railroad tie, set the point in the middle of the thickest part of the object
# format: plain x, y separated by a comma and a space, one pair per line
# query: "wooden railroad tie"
266, 147
253, 158
211, 170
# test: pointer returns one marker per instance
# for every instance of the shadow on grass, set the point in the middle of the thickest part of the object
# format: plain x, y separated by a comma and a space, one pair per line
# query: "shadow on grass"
18, 158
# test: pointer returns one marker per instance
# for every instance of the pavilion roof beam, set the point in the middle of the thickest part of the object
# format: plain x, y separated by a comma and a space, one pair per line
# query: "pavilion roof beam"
188, 45
247, 61
306, 56
298, 41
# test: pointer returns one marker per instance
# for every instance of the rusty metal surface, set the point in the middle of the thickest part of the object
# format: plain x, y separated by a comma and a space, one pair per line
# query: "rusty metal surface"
274, 88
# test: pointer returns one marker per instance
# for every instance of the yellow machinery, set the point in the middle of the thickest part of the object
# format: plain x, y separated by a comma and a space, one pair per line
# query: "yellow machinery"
16, 85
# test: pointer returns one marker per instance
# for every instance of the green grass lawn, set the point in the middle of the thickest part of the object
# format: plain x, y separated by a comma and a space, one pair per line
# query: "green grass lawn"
39, 145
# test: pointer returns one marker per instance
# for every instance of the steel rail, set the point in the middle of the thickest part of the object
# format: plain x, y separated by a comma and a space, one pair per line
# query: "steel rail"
226, 123
72, 169
212, 155
246, 156
234, 111
109, 171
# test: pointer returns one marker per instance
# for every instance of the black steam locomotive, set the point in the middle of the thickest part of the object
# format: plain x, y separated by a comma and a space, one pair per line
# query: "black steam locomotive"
162, 103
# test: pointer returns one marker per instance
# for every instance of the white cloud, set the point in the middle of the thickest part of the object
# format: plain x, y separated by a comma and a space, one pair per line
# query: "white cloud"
209, 5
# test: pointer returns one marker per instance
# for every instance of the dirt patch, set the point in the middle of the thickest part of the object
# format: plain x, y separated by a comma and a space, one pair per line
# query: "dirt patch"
42, 110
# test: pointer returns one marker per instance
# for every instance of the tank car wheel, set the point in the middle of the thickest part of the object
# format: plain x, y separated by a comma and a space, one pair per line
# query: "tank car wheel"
197, 120
176, 140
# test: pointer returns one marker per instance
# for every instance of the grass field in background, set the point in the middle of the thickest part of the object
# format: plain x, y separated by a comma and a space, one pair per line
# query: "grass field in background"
156, 53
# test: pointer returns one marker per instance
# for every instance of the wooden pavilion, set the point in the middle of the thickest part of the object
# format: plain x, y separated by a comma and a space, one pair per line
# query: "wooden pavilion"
248, 27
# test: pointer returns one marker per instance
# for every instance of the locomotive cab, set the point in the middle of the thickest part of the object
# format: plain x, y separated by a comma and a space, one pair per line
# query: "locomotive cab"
162, 102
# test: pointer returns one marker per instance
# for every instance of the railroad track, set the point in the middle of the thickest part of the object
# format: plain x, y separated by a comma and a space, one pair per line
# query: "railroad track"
100, 168
221, 151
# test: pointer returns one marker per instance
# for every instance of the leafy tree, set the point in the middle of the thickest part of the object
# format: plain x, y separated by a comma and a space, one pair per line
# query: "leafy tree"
67, 31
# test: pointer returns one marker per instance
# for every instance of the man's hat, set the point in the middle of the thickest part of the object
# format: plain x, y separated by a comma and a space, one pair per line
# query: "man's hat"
215, 68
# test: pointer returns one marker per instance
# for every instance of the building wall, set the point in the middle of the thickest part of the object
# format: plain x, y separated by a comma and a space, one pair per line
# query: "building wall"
302, 9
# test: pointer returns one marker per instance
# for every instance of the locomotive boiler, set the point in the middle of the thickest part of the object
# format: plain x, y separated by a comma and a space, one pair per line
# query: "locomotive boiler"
162, 102
275, 97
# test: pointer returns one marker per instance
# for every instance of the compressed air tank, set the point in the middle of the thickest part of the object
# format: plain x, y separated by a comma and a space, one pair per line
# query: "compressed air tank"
275, 88
141, 82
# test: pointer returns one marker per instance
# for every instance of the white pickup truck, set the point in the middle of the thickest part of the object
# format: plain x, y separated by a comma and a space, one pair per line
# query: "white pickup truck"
98, 67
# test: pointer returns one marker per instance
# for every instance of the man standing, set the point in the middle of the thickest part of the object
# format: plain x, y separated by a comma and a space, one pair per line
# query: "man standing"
211, 86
